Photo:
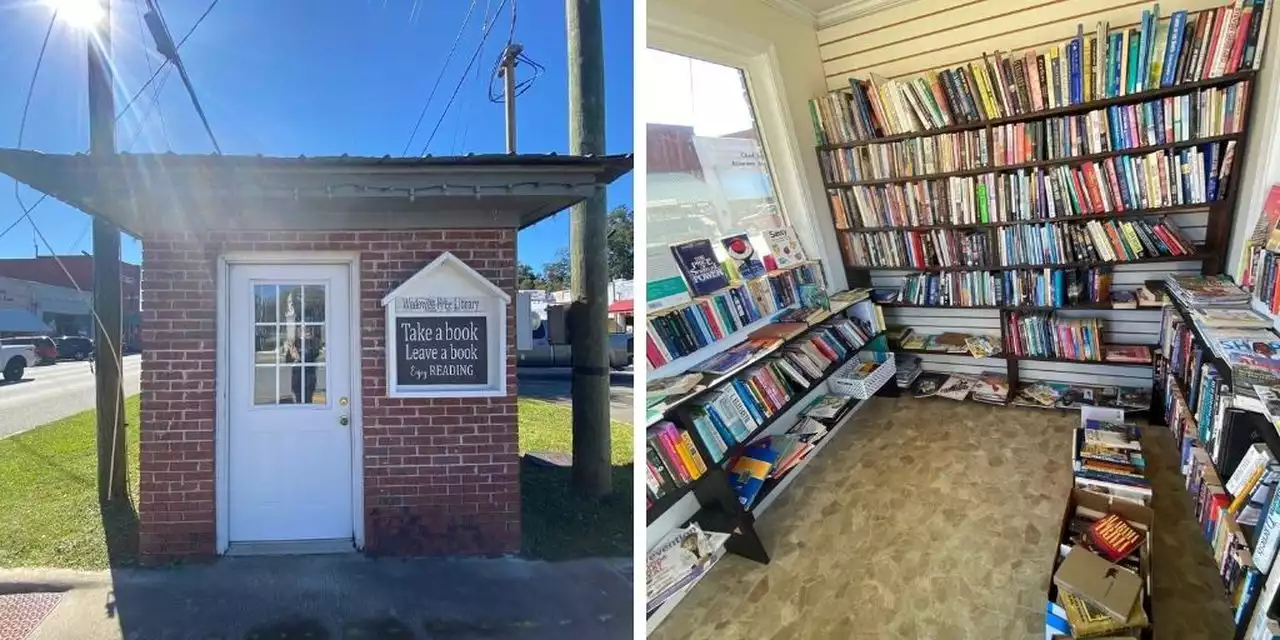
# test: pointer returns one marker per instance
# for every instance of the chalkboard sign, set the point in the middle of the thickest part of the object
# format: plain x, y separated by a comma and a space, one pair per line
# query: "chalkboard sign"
438, 350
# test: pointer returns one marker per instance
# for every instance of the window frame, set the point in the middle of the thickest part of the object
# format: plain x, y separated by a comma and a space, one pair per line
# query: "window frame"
804, 209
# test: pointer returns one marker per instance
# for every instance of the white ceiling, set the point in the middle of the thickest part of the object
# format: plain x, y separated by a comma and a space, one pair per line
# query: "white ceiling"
825, 13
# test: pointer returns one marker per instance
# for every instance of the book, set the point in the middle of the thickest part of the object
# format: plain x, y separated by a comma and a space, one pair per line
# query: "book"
1127, 353
928, 384
991, 388
698, 263
1113, 537
826, 407
744, 261
1123, 300
748, 473
956, 387
784, 247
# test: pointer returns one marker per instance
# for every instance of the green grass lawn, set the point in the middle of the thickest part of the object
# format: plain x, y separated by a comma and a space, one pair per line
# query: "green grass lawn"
559, 524
49, 515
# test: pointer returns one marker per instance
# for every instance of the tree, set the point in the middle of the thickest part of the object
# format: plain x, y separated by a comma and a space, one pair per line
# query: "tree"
555, 275
622, 244
527, 278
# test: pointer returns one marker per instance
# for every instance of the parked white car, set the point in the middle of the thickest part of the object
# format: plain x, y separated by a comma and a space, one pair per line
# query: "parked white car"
16, 358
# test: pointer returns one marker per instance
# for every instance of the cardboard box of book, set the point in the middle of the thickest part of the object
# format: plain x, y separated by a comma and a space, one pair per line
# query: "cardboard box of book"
1090, 594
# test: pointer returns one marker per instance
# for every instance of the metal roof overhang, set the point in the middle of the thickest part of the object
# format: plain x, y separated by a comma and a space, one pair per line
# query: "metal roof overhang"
160, 192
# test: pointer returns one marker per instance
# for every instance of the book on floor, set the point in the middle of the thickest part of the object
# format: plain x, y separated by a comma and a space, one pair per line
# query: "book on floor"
956, 387
928, 384
1100, 583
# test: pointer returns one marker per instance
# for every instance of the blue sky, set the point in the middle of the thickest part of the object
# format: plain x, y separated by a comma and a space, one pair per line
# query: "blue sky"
291, 77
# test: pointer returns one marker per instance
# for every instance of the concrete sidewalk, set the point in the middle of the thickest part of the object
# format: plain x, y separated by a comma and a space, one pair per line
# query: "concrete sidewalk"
337, 597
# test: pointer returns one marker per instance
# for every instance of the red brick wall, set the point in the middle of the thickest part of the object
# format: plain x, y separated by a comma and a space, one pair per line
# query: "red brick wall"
440, 475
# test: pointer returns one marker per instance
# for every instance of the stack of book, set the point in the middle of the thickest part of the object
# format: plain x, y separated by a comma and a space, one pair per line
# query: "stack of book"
671, 458
1046, 335
1102, 64
1166, 178
732, 413
679, 560
1018, 245
976, 345
1266, 279
925, 155
1216, 509
1101, 579
679, 331
1208, 112
1093, 241
1060, 395
1107, 459
1201, 291
908, 368
1013, 287
771, 458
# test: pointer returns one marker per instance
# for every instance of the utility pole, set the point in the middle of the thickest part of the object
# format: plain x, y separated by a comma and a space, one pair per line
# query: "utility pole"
589, 260
508, 73
109, 395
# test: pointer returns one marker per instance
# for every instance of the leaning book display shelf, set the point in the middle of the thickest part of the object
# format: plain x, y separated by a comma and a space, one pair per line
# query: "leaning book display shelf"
964, 180
718, 507
1215, 424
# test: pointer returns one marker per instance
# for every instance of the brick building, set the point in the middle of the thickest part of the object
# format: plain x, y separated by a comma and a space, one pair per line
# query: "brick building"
301, 388
78, 276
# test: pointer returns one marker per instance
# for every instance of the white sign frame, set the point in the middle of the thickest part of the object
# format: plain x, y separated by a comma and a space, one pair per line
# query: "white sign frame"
448, 287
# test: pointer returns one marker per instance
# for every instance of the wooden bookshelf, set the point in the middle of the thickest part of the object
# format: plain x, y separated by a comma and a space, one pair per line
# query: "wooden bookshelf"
1210, 254
1092, 157
1068, 110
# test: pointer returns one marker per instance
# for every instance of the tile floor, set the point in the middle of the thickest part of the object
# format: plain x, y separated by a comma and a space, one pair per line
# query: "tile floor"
938, 519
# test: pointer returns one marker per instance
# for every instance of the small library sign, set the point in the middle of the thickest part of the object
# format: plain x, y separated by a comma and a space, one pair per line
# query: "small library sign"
446, 333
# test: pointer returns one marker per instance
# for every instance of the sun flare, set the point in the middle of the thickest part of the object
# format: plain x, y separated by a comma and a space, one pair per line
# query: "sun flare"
81, 14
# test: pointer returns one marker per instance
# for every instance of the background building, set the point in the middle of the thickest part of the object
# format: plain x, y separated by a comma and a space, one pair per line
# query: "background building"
64, 303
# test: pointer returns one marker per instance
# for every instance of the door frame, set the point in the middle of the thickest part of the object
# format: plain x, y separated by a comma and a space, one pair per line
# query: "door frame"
222, 479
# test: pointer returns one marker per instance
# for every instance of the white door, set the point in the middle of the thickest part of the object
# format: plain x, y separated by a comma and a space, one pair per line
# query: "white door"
289, 401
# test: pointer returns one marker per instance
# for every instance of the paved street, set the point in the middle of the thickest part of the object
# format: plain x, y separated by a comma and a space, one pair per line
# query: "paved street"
51, 392
556, 383
48, 393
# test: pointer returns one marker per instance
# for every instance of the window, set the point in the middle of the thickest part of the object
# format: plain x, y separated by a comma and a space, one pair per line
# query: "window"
288, 344
707, 173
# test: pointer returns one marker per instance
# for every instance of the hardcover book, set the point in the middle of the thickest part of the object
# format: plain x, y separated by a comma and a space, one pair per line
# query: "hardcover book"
1113, 537
697, 261
750, 470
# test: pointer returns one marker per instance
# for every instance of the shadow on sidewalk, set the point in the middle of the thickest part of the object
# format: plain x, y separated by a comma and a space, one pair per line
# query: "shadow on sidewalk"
350, 597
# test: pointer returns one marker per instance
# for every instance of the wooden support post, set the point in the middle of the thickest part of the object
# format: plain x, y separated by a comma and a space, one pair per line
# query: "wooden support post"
589, 258
109, 394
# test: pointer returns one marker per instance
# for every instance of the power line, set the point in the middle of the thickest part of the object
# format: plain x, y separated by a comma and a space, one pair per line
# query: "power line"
440, 76
22, 126
165, 64
154, 106
164, 44
462, 80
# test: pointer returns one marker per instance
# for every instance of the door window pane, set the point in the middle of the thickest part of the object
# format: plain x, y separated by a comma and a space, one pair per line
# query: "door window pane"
707, 172
289, 336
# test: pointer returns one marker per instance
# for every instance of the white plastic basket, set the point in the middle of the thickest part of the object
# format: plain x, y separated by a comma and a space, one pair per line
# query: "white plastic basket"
844, 382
